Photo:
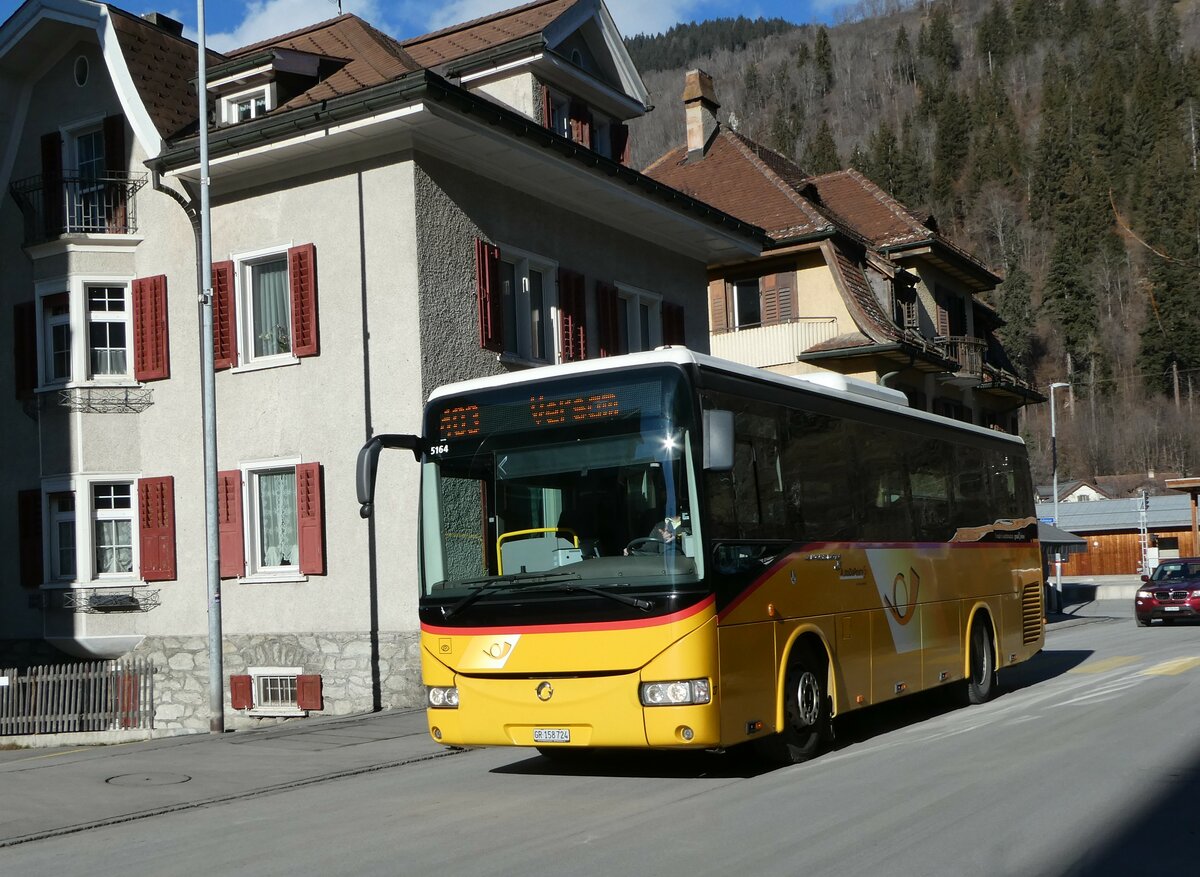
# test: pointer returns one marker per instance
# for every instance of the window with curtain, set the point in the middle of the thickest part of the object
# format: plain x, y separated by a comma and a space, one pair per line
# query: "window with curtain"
107, 330
270, 308
276, 540
112, 528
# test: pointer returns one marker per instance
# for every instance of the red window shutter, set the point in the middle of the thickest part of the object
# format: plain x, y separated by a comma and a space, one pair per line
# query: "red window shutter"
156, 529
241, 692
547, 108
29, 537
620, 142
308, 692
25, 372
608, 303
672, 323
302, 274
580, 118
52, 184
572, 313
310, 518
151, 357
230, 536
718, 300
767, 294
224, 316
489, 296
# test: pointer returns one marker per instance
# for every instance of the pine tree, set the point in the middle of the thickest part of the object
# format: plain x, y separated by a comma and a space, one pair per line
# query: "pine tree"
1015, 305
883, 159
1054, 148
950, 144
823, 58
904, 64
912, 171
940, 46
994, 37
820, 154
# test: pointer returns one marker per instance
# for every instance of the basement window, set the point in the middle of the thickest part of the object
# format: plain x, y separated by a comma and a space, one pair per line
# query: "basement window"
275, 691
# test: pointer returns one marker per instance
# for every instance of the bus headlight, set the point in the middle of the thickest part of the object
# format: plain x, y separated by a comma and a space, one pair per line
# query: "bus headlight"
442, 698
685, 691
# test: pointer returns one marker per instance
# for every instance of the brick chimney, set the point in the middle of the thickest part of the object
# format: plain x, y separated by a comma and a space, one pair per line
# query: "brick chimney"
700, 107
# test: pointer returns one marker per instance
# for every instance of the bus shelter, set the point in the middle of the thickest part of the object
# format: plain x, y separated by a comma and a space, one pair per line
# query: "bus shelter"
1057, 545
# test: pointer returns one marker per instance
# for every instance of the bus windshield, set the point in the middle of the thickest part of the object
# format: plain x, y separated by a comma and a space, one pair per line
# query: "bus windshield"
556, 487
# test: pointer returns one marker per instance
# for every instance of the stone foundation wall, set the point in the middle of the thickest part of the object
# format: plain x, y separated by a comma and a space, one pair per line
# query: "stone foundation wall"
343, 660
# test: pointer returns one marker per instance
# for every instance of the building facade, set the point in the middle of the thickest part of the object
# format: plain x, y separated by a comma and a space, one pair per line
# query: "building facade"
386, 216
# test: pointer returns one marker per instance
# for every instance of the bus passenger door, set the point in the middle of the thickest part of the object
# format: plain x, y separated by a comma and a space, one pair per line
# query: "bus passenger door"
748, 683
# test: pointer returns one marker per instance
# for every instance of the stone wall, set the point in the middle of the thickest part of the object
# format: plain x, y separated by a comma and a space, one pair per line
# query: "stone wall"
343, 661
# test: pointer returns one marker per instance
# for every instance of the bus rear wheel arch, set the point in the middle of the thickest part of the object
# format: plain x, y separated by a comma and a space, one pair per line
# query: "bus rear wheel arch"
807, 720
981, 660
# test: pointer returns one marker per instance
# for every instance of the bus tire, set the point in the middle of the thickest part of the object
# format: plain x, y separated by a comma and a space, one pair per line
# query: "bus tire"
981, 683
806, 712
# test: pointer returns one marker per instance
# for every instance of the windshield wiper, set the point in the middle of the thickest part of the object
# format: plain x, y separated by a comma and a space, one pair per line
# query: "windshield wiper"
489, 583
636, 602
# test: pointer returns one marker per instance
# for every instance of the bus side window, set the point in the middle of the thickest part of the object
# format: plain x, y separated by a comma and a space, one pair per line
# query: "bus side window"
929, 463
818, 469
882, 479
749, 501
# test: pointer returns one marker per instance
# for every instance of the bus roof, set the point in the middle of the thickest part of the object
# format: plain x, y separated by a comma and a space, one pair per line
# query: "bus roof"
830, 384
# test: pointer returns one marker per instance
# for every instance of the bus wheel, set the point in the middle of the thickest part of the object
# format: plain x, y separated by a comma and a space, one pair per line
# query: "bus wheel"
981, 684
806, 717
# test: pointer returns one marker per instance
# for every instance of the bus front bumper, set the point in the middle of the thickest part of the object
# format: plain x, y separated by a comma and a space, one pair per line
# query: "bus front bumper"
596, 711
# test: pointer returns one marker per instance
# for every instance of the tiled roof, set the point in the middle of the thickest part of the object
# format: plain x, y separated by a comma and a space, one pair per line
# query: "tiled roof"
162, 67
480, 34
867, 310
877, 216
746, 180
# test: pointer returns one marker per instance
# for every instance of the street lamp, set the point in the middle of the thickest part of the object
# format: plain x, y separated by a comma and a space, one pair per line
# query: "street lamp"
1057, 385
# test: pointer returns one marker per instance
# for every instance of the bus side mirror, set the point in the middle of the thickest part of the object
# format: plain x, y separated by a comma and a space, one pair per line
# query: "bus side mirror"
718, 440
368, 465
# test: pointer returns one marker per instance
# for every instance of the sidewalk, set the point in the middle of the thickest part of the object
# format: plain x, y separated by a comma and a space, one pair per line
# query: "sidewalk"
48, 792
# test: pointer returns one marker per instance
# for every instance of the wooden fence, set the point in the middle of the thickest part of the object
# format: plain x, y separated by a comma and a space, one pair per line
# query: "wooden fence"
60, 698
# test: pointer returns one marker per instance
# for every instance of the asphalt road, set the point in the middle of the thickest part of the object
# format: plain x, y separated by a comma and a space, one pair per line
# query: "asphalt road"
1087, 764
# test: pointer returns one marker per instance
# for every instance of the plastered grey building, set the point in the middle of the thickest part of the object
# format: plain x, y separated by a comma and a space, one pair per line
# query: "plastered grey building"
386, 216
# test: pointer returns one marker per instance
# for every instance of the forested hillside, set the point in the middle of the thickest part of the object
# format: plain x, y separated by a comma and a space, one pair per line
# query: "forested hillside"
1056, 139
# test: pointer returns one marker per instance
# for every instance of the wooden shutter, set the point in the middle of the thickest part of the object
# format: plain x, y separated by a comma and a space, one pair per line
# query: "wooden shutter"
151, 357
547, 108
775, 296
156, 528
580, 118
572, 315
224, 316
25, 371
230, 536
29, 537
52, 185
302, 275
620, 142
718, 305
241, 692
672, 323
308, 692
310, 519
488, 295
114, 165
608, 326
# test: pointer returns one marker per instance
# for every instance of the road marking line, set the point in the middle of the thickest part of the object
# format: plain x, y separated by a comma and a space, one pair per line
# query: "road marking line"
1172, 668
1105, 665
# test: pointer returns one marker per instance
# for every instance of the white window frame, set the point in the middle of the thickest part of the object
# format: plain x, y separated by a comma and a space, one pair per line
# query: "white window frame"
79, 319
521, 346
71, 137
262, 675
230, 102
81, 485
55, 517
252, 536
48, 325
560, 113
123, 317
631, 299
244, 290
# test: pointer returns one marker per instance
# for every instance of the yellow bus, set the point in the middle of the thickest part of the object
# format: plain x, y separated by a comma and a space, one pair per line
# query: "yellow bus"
666, 550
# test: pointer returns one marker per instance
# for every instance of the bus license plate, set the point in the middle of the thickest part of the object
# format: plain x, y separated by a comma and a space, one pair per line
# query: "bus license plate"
551, 735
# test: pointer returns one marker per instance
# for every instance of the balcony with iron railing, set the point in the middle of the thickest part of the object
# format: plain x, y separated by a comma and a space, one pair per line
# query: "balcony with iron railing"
77, 204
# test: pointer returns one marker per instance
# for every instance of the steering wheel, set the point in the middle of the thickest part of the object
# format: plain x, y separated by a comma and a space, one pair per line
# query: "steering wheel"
646, 546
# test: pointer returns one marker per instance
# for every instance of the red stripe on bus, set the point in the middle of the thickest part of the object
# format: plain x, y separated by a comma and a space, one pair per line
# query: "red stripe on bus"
631, 624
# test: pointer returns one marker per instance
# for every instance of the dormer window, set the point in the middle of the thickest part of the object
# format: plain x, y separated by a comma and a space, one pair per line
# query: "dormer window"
247, 105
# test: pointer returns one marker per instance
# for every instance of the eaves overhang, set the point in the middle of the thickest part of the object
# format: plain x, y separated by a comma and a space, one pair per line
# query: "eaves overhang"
422, 112
947, 259
895, 353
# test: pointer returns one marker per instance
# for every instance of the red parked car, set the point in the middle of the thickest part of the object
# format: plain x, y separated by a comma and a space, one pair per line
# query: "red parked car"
1173, 591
